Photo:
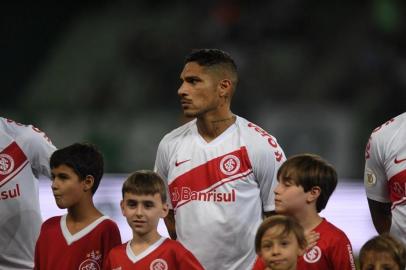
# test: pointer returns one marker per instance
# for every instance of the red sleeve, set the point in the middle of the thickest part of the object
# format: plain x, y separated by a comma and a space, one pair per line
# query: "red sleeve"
38, 245
111, 239
259, 264
106, 263
341, 254
187, 261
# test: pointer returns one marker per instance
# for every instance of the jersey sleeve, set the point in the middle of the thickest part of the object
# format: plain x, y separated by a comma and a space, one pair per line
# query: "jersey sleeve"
111, 239
341, 254
187, 261
38, 148
161, 166
375, 178
266, 156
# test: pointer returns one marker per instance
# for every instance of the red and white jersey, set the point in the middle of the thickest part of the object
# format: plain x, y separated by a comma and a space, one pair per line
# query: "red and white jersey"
219, 190
385, 170
24, 155
57, 248
332, 251
164, 254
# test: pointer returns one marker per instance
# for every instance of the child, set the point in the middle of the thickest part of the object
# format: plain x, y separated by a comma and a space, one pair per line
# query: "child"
82, 238
305, 183
278, 242
143, 204
382, 252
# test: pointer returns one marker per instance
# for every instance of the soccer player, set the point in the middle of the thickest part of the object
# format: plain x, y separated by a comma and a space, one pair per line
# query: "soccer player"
143, 204
219, 167
382, 252
24, 156
82, 238
305, 183
278, 243
385, 177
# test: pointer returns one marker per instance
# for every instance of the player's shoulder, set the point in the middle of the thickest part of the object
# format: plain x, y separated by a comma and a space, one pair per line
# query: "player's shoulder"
256, 138
178, 132
390, 127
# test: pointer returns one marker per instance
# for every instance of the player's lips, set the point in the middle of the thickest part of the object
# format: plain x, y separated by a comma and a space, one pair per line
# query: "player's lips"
185, 102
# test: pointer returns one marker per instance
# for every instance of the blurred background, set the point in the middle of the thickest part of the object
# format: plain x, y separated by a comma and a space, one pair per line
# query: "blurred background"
318, 75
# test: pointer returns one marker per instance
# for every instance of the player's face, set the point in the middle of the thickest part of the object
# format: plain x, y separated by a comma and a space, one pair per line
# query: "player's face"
67, 187
199, 91
279, 251
143, 212
379, 261
289, 198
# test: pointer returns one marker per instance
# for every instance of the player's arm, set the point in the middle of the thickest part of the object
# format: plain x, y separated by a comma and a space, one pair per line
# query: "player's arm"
161, 168
381, 215
170, 224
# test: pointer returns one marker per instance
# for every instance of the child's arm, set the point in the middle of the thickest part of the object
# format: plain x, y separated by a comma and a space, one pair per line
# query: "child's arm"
341, 255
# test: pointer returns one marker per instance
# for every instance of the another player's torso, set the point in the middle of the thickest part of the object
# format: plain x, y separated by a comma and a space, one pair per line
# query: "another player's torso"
215, 196
20, 217
61, 250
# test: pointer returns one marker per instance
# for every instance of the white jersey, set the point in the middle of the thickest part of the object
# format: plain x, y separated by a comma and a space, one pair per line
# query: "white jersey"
24, 154
220, 189
385, 170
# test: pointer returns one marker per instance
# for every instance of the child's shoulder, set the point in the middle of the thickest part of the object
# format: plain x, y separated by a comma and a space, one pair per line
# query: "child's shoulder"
52, 221
328, 231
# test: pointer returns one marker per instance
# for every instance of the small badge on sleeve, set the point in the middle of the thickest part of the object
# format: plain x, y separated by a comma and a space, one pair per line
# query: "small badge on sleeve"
369, 178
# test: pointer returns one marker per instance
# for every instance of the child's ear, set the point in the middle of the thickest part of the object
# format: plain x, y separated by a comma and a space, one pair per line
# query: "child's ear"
165, 210
313, 193
88, 183
122, 206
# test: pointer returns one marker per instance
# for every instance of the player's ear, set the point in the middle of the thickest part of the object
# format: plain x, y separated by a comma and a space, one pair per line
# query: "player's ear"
88, 183
225, 86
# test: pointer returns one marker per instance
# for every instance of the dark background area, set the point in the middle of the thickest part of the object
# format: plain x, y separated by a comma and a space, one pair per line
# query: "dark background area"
317, 75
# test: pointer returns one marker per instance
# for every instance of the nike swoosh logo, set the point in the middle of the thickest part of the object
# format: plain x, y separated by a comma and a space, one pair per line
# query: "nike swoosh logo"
397, 161
181, 162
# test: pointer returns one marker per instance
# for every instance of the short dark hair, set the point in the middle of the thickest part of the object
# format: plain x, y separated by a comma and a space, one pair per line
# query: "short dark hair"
84, 159
288, 223
385, 243
308, 171
213, 58
144, 182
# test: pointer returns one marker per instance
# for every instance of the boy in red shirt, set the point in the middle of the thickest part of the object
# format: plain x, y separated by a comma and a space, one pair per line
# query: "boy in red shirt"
278, 242
305, 183
82, 238
143, 204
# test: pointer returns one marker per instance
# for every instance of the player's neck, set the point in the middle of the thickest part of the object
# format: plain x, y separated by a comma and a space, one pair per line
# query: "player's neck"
212, 126
81, 215
140, 243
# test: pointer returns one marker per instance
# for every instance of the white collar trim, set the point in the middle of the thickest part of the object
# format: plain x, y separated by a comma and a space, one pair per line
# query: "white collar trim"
135, 258
72, 238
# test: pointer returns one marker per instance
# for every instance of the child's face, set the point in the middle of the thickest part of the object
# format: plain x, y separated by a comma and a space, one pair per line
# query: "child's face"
143, 212
289, 198
67, 187
375, 260
280, 252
